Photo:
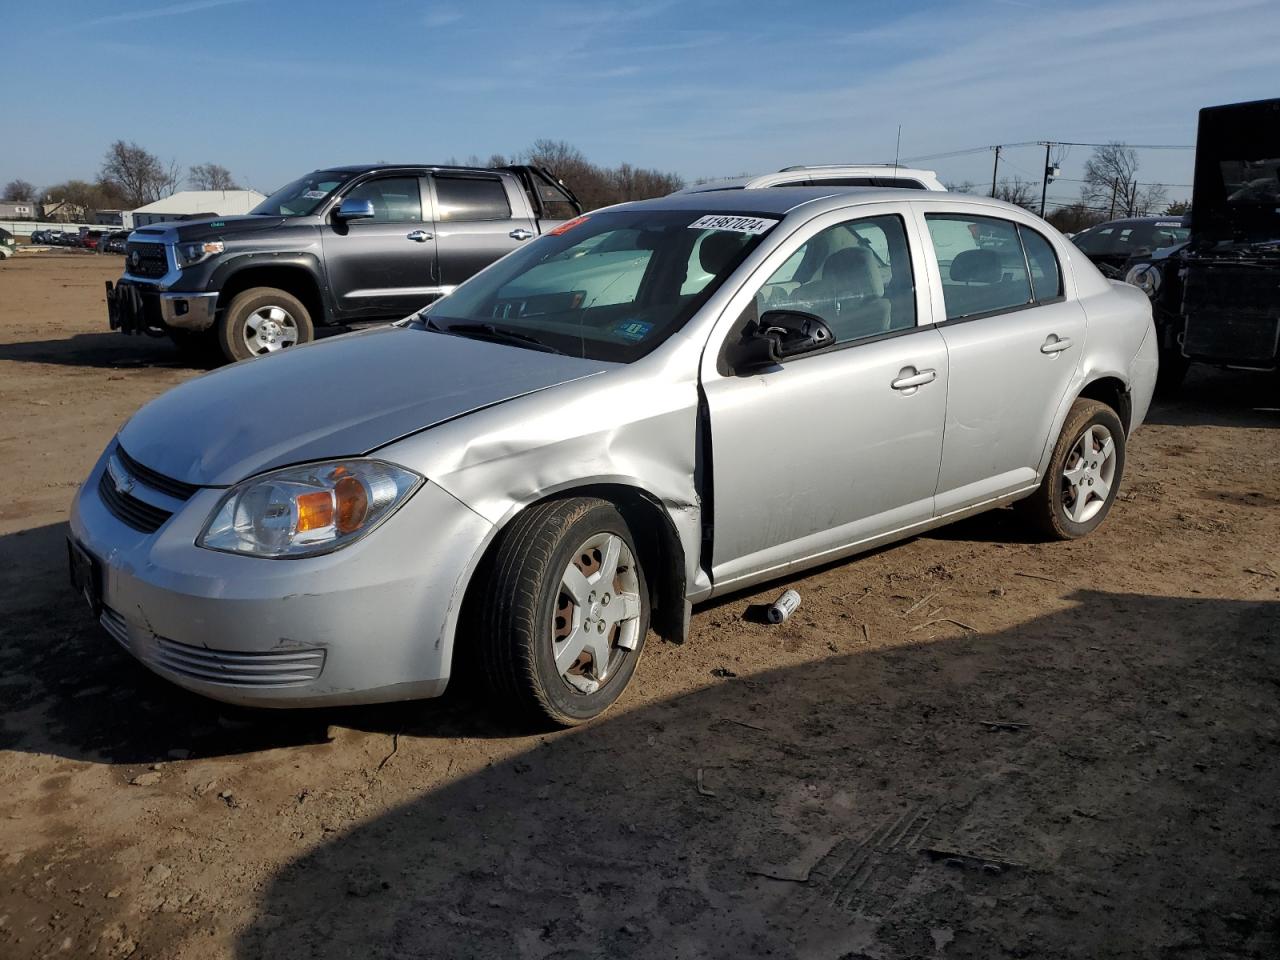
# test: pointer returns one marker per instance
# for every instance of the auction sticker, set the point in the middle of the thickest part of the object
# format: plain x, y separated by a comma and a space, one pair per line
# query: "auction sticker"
751, 225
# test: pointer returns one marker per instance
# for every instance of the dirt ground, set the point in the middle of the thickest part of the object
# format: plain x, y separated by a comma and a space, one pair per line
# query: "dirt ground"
966, 745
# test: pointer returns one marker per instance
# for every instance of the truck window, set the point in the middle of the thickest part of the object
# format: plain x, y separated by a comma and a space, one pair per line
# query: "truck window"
394, 199
471, 198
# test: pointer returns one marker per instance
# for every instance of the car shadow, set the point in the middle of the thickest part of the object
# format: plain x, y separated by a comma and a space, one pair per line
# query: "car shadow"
1220, 397
1092, 782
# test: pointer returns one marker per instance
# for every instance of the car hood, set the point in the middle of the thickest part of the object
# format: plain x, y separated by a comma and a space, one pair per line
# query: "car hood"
342, 397
224, 226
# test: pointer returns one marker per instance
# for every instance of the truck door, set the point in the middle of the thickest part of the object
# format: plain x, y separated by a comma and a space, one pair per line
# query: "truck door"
384, 266
479, 218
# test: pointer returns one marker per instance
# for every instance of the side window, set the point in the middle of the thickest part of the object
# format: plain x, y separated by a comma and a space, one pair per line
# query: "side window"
856, 276
983, 269
841, 182
394, 199
1046, 276
471, 198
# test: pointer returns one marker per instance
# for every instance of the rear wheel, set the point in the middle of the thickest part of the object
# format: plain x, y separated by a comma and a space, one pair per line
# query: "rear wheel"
1083, 476
565, 612
263, 320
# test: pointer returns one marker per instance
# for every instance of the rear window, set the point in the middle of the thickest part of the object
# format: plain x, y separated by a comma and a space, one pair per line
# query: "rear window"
471, 198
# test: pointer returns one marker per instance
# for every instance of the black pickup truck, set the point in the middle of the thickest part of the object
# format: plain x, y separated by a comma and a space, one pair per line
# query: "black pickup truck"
339, 246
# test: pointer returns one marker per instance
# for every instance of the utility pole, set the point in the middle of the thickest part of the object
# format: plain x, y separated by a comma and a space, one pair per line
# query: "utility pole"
994, 171
1044, 181
1115, 187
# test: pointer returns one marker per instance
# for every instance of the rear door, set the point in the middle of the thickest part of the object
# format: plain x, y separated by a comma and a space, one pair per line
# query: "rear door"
384, 266
1013, 341
479, 218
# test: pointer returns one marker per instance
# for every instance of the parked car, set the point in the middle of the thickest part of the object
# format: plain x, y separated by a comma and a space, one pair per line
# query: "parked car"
115, 241
831, 175
649, 406
91, 239
1217, 297
1113, 244
336, 246
8, 244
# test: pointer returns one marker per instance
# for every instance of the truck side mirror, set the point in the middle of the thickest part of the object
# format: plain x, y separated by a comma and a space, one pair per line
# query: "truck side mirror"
352, 209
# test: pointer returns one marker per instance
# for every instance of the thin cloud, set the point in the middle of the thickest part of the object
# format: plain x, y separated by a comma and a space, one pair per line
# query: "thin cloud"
171, 10
441, 17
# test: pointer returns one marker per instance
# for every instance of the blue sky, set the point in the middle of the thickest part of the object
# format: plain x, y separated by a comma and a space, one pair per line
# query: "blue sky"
273, 88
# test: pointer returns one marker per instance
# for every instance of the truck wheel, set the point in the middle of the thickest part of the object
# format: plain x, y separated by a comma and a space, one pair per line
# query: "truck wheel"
564, 612
1173, 370
1083, 475
263, 320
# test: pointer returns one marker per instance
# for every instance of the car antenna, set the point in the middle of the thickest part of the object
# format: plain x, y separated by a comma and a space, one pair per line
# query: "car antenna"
897, 150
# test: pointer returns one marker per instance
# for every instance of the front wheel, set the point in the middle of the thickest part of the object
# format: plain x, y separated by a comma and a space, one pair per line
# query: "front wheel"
565, 611
263, 320
1083, 476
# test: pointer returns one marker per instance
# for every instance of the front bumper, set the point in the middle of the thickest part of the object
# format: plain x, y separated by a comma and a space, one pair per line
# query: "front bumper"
134, 308
366, 624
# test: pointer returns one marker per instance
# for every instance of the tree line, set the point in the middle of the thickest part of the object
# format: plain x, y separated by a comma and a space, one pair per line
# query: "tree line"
131, 176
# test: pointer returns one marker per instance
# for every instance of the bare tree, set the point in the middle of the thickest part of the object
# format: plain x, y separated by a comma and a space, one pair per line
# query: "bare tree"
1018, 191
211, 176
92, 196
1179, 208
598, 186
140, 177
19, 190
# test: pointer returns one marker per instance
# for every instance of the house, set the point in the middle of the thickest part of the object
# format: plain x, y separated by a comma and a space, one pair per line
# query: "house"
18, 209
62, 211
188, 203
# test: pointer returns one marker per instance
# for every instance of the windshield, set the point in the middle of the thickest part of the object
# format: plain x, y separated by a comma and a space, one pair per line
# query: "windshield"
607, 286
304, 195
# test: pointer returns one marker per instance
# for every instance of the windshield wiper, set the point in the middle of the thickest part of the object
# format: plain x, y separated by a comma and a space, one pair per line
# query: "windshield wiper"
489, 331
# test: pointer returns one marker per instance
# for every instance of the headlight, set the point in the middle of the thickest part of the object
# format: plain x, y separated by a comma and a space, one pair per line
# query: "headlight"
189, 254
308, 510
1146, 277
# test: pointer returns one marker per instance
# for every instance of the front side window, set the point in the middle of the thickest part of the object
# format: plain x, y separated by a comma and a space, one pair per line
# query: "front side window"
471, 198
394, 199
608, 286
856, 276
982, 264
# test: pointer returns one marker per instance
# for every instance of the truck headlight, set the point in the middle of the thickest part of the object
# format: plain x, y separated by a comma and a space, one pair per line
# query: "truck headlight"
1146, 277
308, 510
189, 254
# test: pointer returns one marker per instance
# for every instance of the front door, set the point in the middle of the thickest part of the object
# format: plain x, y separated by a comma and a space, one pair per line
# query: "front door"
476, 223
384, 266
824, 452
1014, 341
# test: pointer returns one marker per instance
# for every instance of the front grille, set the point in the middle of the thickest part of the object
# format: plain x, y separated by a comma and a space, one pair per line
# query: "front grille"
128, 508
273, 668
177, 489
152, 261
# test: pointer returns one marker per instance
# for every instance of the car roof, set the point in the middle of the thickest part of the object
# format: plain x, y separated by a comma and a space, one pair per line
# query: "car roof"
888, 170
1172, 218
780, 201
370, 167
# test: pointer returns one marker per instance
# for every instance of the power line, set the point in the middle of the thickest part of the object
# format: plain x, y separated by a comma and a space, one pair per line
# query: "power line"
1040, 143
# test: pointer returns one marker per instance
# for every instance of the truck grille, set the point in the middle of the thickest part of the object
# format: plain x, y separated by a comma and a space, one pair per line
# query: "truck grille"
146, 260
1231, 311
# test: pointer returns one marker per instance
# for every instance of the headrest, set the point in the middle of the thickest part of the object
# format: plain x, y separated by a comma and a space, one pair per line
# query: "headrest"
717, 249
977, 266
854, 270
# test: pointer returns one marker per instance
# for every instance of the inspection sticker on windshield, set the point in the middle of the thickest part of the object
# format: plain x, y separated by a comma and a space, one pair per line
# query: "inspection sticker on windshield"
314, 195
634, 330
751, 225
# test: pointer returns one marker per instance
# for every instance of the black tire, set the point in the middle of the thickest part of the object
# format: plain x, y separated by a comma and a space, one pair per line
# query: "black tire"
519, 607
198, 348
231, 326
1173, 370
1047, 509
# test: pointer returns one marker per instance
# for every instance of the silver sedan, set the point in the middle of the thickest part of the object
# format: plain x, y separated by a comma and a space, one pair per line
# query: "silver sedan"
652, 405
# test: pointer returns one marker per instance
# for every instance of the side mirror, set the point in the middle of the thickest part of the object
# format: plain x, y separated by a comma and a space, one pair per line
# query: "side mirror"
780, 335
355, 210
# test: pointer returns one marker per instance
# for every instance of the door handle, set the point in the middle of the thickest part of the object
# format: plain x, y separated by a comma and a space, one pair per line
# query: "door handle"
1055, 344
421, 236
520, 234
909, 378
